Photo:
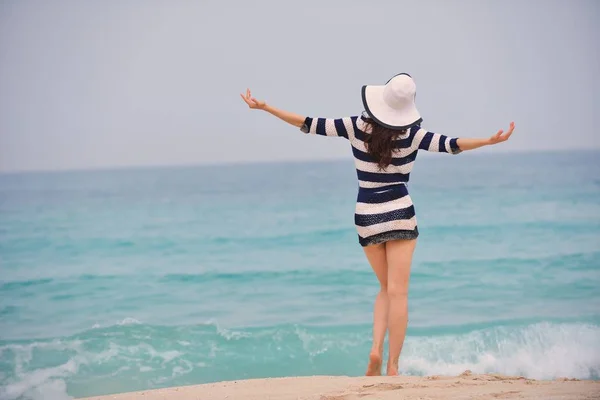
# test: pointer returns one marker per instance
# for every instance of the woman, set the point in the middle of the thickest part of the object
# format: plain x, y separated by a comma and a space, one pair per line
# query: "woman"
385, 141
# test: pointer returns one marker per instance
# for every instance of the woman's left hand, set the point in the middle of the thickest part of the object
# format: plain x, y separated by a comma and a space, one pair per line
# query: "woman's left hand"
502, 136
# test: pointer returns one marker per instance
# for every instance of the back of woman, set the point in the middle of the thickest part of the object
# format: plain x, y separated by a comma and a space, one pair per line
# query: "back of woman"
385, 141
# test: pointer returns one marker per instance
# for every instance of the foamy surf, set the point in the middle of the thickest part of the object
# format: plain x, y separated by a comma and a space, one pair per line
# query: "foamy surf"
118, 358
539, 351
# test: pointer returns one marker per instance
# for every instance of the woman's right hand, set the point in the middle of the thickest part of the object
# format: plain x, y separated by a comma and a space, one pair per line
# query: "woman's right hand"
252, 102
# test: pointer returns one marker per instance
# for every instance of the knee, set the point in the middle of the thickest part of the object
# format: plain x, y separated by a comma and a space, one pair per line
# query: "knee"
397, 291
383, 287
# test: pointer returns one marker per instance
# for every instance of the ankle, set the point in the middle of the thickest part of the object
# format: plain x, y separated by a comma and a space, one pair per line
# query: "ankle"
377, 350
375, 356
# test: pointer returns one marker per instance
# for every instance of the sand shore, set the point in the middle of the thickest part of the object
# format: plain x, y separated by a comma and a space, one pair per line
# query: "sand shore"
464, 386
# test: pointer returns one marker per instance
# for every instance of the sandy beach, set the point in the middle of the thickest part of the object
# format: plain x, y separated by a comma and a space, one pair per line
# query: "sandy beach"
464, 386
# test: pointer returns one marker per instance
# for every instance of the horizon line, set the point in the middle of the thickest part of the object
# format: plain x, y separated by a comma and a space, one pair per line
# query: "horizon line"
257, 162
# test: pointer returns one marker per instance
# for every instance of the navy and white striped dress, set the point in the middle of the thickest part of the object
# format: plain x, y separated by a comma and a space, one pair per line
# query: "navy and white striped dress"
384, 209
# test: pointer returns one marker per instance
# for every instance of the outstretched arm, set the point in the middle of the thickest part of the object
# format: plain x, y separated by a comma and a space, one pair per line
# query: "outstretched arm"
289, 117
499, 137
341, 127
440, 143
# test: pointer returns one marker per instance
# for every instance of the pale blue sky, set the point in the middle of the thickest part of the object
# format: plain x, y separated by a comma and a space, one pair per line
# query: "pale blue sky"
120, 83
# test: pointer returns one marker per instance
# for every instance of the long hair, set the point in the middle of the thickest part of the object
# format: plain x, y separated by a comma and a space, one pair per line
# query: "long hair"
380, 142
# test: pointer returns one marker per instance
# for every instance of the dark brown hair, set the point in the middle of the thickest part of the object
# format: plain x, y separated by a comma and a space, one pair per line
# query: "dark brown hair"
380, 142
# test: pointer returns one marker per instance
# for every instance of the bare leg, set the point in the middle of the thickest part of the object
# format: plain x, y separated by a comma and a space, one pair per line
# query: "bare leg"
377, 258
399, 257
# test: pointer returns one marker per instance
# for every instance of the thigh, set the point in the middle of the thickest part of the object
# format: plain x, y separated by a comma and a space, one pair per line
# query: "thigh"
377, 258
399, 255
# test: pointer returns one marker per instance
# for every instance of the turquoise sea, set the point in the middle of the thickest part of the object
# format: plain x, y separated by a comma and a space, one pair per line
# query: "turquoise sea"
122, 280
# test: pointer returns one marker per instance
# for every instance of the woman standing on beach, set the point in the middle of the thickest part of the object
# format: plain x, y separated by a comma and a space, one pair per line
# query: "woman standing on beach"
385, 141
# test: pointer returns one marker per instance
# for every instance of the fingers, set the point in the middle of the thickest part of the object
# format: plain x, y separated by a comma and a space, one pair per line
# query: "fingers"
245, 99
496, 137
502, 136
511, 128
251, 101
510, 131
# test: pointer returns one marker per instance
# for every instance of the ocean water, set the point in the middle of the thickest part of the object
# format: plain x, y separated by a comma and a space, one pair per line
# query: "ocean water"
123, 280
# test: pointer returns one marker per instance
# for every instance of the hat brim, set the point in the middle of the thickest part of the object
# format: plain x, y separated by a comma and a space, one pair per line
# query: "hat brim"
376, 107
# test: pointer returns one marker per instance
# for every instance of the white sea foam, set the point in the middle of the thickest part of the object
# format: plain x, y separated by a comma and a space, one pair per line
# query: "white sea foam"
50, 383
43, 383
129, 321
227, 333
540, 351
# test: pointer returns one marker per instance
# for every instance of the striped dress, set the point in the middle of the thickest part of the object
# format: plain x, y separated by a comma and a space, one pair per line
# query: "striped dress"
384, 209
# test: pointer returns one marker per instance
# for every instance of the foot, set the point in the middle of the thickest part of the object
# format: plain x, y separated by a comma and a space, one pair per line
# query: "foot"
374, 367
392, 370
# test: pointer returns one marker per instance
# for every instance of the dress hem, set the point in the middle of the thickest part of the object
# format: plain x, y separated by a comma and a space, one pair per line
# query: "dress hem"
387, 236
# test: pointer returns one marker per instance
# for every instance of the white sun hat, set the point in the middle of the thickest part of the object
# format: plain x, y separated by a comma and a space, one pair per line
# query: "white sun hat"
393, 104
